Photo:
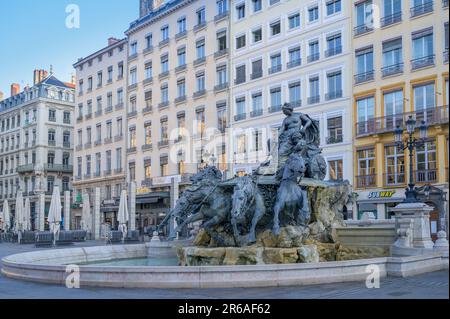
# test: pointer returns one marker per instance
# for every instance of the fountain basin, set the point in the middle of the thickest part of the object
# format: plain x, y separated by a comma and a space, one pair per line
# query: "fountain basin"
50, 267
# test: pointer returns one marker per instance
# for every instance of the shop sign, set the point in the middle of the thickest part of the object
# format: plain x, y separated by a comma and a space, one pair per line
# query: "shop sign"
143, 190
381, 194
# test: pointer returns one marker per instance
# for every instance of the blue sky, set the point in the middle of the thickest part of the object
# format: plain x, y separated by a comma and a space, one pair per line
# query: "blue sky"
33, 35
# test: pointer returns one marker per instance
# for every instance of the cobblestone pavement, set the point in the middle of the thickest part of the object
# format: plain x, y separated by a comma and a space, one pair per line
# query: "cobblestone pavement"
430, 286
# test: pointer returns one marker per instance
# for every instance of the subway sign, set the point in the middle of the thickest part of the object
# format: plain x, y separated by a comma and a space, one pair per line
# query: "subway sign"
381, 194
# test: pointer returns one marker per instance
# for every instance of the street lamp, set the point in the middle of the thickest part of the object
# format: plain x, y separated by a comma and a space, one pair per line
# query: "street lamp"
410, 143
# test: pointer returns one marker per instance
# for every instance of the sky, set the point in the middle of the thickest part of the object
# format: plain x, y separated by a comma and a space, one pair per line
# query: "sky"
33, 35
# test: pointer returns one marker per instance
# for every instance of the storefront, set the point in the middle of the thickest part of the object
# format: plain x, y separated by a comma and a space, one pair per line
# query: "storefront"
151, 209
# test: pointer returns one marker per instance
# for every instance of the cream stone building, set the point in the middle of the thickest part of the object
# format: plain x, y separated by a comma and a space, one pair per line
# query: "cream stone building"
297, 52
100, 149
177, 99
400, 70
36, 145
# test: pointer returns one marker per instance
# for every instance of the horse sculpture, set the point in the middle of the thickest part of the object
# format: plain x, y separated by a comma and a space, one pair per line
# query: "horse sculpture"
248, 208
291, 200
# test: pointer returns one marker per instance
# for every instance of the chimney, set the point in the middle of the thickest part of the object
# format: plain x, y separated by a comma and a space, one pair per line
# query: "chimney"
112, 40
39, 75
146, 7
15, 89
1, 96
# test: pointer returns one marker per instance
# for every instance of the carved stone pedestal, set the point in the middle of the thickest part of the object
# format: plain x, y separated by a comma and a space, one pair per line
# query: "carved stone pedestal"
441, 243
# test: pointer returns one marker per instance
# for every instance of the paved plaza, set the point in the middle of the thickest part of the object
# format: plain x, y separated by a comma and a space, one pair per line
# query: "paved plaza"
432, 285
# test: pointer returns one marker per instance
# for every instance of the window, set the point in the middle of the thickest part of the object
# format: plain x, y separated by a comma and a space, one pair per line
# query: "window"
65, 184
133, 76
52, 115
99, 79
148, 70
148, 168
132, 171
314, 95
90, 84
181, 125
109, 130
149, 41
200, 48
181, 25
314, 53
334, 80
275, 99
99, 104
392, 57
180, 161
393, 109
200, 81
133, 48
334, 125
118, 159
165, 63
88, 165
275, 28
164, 165
424, 102
164, 93
334, 45
240, 11
51, 136
240, 41
51, 158
200, 117
364, 65
99, 132
257, 71
221, 41
120, 71
294, 57
257, 141
333, 6
240, 74
295, 94
366, 167
120, 96
395, 165
335, 170
98, 164
221, 73
132, 104
80, 87
50, 183
165, 33
221, 118
181, 53
423, 52
257, 5
241, 145
257, 35
294, 21
181, 88
132, 139
240, 106
313, 13
365, 109
148, 99
119, 127
426, 169
364, 17
257, 106
108, 161
275, 63
88, 135
80, 137
392, 12
201, 16
222, 7
164, 130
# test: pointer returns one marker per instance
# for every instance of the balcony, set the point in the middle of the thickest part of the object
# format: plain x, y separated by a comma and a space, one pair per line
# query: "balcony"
431, 116
394, 179
66, 120
220, 53
275, 108
256, 75
334, 139
98, 113
200, 26
333, 51
107, 172
163, 105
425, 176
132, 57
422, 62
148, 80
361, 29
163, 75
163, 43
118, 138
119, 106
147, 109
52, 119
240, 117
97, 174
131, 150
364, 181
221, 16
25, 168
163, 143
50, 143
148, 182
422, 9
364, 77
132, 114
444, 3
180, 35
333, 95
199, 93
391, 19
392, 69
296, 103
313, 57
314, 99
148, 50
199, 61
275, 69
78, 148
221, 87
181, 68
97, 143
107, 140
132, 87
109, 109
180, 99
147, 147
294, 63
445, 58
66, 144
79, 119
256, 113
118, 171
58, 168
87, 176
239, 80
87, 145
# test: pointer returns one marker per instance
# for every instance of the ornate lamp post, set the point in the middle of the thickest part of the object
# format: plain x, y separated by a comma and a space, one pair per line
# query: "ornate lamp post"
410, 143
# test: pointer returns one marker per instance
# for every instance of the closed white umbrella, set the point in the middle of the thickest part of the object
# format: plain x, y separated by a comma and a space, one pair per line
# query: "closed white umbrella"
86, 221
18, 221
6, 216
27, 214
54, 213
122, 217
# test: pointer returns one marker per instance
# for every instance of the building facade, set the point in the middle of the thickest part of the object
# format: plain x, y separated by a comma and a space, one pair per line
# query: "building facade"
400, 70
36, 144
299, 53
177, 98
99, 153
